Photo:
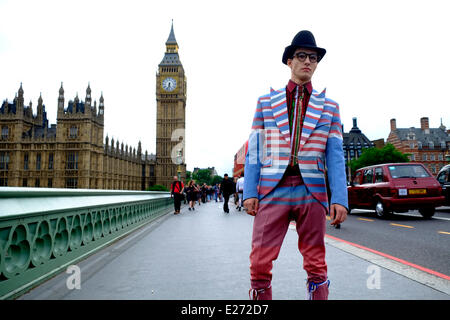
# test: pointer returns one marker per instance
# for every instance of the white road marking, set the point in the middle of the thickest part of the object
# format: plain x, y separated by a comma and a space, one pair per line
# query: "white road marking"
402, 214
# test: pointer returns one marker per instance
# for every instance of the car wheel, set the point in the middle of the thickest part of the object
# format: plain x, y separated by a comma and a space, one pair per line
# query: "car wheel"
427, 213
381, 210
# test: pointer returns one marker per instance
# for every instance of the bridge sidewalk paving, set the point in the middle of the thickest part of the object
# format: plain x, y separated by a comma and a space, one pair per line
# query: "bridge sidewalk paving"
204, 255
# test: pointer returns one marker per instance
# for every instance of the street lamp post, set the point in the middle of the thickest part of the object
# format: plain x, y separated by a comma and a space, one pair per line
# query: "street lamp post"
179, 160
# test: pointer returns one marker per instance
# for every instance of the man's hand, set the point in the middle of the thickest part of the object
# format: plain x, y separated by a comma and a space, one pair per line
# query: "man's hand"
251, 205
338, 214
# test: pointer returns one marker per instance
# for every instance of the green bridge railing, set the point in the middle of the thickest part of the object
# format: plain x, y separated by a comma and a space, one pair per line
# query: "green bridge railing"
43, 231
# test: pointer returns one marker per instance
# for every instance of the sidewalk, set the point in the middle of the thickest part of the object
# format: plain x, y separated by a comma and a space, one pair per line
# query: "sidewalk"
203, 255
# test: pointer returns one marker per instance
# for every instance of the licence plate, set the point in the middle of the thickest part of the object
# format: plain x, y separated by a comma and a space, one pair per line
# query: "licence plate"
417, 191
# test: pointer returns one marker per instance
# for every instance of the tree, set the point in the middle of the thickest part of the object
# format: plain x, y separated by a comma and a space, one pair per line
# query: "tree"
371, 156
202, 176
188, 175
216, 179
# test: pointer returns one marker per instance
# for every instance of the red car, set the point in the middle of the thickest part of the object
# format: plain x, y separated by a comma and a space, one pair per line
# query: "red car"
395, 187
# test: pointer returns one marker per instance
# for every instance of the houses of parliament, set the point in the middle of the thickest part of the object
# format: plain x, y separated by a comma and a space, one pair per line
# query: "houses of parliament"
73, 153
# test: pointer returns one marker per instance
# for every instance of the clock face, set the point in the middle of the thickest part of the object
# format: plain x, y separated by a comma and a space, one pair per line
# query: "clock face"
169, 84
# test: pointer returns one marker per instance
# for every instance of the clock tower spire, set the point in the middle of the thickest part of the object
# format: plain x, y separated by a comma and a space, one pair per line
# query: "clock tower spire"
171, 43
170, 115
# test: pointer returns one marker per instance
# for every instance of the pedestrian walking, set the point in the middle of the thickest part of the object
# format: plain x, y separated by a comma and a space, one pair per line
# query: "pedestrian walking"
198, 191
240, 190
301, 132
227, 188
176, 191
204, 190
216, 191
191, 194
219, 192
235, 195
210, 193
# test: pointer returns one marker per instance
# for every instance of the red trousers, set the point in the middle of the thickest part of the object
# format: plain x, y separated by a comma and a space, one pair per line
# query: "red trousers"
290, 200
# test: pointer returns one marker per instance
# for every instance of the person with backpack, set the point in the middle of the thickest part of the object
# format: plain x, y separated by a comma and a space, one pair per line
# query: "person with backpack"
176, 191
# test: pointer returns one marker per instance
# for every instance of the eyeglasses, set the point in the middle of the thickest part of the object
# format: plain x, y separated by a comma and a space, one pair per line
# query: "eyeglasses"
313, 57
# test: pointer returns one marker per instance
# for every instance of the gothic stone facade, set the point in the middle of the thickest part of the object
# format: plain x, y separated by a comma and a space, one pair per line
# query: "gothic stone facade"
70, 153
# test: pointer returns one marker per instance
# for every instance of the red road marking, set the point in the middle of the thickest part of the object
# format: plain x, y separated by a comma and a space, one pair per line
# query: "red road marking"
435, 273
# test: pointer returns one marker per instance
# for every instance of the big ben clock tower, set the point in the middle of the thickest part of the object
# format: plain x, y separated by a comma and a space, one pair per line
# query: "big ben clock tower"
170, 115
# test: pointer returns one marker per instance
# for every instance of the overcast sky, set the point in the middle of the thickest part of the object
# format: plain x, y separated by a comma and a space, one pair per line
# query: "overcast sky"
385, 59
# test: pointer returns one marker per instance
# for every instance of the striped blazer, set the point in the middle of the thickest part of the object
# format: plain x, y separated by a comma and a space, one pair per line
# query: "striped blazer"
269, 148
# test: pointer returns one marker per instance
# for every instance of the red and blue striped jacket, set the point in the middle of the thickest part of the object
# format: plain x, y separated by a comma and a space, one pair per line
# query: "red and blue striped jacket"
269, 148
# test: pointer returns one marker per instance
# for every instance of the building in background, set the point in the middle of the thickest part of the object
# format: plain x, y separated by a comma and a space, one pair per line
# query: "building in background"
170, 115
239, 160
378, 143
70, 153
429, 146
354, 142
73, 152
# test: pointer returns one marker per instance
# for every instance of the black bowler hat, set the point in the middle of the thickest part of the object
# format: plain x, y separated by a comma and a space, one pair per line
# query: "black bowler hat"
303, 39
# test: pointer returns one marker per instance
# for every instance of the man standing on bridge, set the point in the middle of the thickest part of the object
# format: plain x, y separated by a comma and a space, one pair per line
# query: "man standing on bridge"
296, 134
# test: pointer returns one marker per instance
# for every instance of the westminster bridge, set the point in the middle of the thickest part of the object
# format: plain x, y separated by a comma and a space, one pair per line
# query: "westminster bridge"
103, 244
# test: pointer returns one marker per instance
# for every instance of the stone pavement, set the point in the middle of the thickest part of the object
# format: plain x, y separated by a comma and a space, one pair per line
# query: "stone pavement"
204, 255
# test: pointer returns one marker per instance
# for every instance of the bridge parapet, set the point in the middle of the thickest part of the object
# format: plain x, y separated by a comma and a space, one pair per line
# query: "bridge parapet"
43, 231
